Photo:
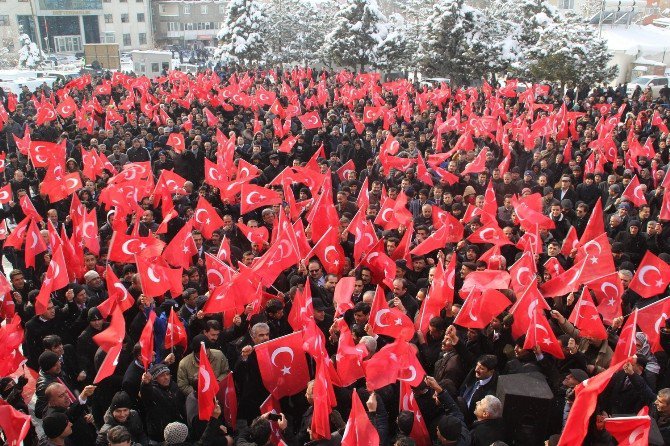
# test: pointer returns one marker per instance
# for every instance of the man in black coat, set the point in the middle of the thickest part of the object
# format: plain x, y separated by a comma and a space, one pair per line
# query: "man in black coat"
489, 426
58, 401
251, 392
162, 400
48, 323
86, 346
481, 381
50, 372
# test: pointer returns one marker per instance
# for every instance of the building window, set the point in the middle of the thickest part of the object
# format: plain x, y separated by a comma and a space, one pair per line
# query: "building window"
4, 20
172, 26
187, 9
143, 38
140, 17
109, 18
124, 18
222, 9
203, 9
161, 9
109, 37
126, 40
566, 4
189, 26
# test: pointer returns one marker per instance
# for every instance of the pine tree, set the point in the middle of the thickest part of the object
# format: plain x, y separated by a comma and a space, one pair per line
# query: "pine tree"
30, 55
456, 43
569, 51
241, 36
358, 35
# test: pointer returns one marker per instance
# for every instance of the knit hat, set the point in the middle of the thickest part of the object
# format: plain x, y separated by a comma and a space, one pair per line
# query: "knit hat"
450, 428
159, 369
175, 433
54, 425
47, 360
121, 400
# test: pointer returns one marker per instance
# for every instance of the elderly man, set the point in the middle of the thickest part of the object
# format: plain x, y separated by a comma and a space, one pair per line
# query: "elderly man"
251, 392
661, 413
58, 401
489, 426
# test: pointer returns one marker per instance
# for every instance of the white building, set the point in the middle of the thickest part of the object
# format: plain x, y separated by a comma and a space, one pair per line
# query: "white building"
64, 26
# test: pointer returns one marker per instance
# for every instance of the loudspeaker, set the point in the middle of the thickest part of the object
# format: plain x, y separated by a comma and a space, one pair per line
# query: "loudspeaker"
527, 402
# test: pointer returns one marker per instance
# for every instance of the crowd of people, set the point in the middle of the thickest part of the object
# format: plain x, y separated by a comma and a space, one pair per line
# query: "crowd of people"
421, 246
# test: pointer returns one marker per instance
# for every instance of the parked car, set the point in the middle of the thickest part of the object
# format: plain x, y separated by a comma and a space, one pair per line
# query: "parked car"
655, 82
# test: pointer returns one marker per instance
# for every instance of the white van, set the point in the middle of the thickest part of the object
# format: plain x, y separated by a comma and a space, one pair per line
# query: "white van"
655, 82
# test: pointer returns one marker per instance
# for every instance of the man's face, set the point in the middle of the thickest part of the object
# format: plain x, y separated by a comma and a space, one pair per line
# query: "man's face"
482, 372
18, 282
662, 405
553, 250
419, 264
314, 270
212, 335
358, 287
261, 335
360, 318
435, 333
556, 211
330, 283
398, 288
121, 415
197, 238
570, 381
50, 313
366, 276
60, 397
89, 262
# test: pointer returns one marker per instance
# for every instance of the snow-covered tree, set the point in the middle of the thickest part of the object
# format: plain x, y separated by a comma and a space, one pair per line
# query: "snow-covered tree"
569, 51
241, 36
295, 30
30, 55
457, 43
362, 36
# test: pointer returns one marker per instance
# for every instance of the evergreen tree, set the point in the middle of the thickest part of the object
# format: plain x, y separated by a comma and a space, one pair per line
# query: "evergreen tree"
30, 55
570, 51
457, 43
241, 36
359, 36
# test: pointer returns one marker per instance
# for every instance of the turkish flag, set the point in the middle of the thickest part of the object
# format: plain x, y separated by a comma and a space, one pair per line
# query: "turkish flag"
625, 347
485, 280
437, 240
568, 282
570, 241
440, 295
651, 318
6, 194
585, 317
124, 248
246, 170
35, 244
310, 121
343, 172
524, 308
147, 341
359, 431
522, 272
596, 224
175, 333
651, 277
281, 255
181, 249
630, 431
55, 279
170, 215
358, 125
419, 431
490, 233
253, 197
118, 295
29, 209
349, 357
114, 334
11, 338
66, 107
323, 403
634, 192
228, 396
480, 308
258, 235
212, 120
539, 333
371, 114
283, 365
608, 290
208, 386
206, 218
389, 321
330, 252
157, 278
301, 310
272, 405
665, 206
15, 425
658, 121
553, 267
89, 232
586, 397
218, 273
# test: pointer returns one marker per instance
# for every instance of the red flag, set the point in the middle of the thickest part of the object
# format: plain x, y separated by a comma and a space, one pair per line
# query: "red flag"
419, 431
625, 347
630, 431
634, 192
272, 405
181, 249
118, 295
570, 241
124, 248
206, 218
585, 317
114, 334
477, 165
55, 279
208, 386
479, 309
283, 365
349, 357
651, 318
322, 403
175, 333
310, 121
343, 172
15, 425
485, 280
568, 282
109, 364
35, 244
522, 272
212, 120
524, 308
586, 397
596, 224
176, 141
301, 310
281, 255
539, 334
608, 290
389, 321
358, 125
330, 252
147, 341
359, 431
490, 233
253, 197
157, 278
6, 194
652, 276
228, 395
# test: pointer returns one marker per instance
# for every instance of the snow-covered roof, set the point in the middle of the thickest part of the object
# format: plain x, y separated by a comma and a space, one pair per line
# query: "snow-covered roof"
637, 38
653, 63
